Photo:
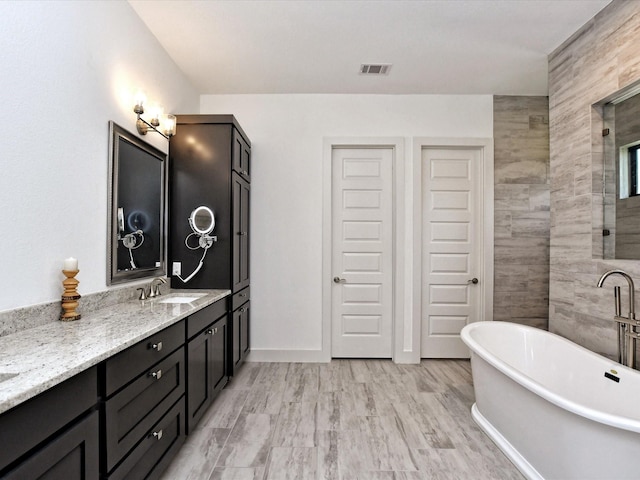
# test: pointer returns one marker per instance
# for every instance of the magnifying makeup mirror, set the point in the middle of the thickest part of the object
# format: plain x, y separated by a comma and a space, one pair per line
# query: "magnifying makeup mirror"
202, 221
132, 240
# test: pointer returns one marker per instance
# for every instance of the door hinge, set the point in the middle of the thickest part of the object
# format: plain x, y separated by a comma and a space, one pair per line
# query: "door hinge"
606, 232
605, 132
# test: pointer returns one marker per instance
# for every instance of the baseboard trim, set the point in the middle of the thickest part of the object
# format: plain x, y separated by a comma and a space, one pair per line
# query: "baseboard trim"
300, 356
503, 444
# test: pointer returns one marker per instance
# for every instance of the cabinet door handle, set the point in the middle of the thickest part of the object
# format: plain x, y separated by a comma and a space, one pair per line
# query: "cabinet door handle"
241, 309
212, 331
244, 172
242, 233
242, 295
157, 435
157, 375
156, 346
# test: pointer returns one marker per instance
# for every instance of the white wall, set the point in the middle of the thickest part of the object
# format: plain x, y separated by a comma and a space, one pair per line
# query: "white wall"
67, 69
287, 133
70, 67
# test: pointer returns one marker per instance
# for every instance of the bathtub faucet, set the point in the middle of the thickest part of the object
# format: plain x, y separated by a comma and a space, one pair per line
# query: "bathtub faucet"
627, 334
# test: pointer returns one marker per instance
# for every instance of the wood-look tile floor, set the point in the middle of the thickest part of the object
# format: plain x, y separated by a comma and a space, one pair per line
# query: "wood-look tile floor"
345, 420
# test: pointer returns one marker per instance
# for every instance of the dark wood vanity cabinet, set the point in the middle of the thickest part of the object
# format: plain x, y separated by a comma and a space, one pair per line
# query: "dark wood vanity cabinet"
206, 359
240, 318
240, 266
127, 417
241, 152
155, 451
210, 165
143, 410
54, 435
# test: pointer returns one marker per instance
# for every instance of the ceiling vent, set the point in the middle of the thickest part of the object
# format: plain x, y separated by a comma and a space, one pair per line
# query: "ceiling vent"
375, 69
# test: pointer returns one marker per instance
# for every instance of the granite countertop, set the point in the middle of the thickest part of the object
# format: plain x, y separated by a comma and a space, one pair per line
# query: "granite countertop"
45, 356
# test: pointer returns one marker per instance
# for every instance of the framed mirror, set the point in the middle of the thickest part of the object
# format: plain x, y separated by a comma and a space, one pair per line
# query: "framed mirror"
137, 218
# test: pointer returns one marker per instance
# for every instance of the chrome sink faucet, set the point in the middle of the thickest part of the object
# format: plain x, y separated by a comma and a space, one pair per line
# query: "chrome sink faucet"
154, 287
153, 290
627, 334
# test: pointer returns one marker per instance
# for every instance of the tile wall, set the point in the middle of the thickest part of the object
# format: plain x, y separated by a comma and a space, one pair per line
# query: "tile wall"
601, 58
521, 156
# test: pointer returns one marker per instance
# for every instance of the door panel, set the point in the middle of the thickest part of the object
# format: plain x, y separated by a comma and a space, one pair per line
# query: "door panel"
362, 225
450, 241
241, 198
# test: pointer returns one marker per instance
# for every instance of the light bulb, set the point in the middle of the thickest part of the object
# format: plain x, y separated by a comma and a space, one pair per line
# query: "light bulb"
155, 112
169, 125
140, 98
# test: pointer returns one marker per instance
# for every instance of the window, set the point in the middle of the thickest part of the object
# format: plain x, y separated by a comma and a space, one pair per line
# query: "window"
634, 166
629, 170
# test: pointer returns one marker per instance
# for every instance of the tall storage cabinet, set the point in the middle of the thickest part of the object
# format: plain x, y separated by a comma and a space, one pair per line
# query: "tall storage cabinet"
210, 165
240, 265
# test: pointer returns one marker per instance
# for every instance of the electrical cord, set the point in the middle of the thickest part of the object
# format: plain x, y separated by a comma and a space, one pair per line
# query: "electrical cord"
130, 242
185, 280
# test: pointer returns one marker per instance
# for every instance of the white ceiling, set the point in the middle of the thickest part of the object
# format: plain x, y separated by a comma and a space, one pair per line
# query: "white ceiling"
317, 46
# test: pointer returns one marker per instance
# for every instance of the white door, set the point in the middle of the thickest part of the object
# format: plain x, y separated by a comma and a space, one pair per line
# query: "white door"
451, 235
362, 259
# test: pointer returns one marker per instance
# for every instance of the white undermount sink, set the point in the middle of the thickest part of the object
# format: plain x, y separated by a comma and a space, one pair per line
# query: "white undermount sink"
181, 298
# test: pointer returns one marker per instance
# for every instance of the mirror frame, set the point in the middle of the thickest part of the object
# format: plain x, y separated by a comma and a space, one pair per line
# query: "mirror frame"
117, 133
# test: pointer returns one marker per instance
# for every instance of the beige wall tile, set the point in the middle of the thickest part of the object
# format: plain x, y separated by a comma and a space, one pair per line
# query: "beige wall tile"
594, 63
522, 209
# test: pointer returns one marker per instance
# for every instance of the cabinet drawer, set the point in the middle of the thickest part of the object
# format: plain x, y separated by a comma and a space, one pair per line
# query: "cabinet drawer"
72, 455
154, 453
132, 411
203, 318
240, 298
30, 423
125, 366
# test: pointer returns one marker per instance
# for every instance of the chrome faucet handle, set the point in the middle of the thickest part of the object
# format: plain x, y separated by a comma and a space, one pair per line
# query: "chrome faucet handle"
154, 287
143, 295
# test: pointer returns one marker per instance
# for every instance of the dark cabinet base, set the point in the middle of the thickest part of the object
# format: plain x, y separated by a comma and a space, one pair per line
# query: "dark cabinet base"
153, 454
206, 369
240, 325
72, 455
133, 410
28, 429
127, 417
217, 174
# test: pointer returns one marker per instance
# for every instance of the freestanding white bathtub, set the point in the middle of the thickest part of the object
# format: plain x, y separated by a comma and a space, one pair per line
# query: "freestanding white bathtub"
548, 405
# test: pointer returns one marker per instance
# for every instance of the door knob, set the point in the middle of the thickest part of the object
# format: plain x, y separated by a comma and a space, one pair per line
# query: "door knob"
473, 280
339, 280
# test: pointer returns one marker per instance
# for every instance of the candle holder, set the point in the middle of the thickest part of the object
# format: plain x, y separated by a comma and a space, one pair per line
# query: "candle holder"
70, 296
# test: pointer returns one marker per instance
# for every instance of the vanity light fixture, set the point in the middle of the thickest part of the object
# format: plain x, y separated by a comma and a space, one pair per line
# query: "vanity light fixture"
164, 124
